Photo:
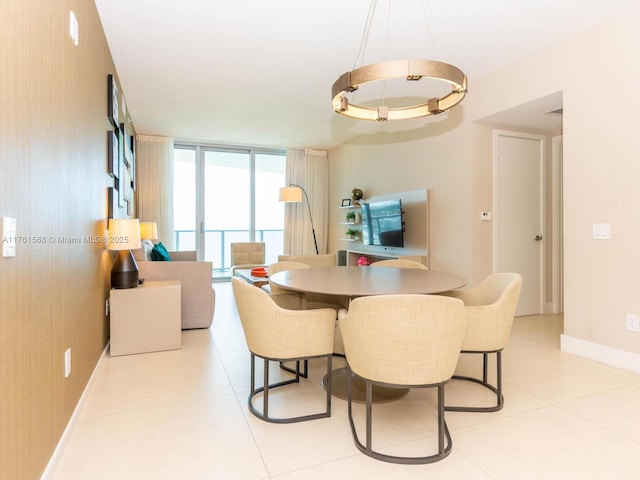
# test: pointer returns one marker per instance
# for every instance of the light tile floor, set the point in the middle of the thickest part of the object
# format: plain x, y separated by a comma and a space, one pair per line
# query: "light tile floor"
182, 415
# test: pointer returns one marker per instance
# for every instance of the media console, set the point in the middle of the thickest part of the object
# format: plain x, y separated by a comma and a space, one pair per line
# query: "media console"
354, 254
415, 207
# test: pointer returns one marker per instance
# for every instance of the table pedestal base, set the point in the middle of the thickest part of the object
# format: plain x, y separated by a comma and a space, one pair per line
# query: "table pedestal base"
340, 377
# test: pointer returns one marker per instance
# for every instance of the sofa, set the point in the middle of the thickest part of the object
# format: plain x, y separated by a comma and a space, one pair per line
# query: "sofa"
197, 293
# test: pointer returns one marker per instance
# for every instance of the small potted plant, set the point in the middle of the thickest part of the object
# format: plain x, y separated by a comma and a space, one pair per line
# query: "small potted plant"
351, 217
352, 233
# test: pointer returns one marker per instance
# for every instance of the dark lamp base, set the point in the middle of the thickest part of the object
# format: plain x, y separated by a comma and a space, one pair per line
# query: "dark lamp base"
124, 273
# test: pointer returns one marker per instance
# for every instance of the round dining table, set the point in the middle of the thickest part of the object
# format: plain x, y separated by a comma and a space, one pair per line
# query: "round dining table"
366, 281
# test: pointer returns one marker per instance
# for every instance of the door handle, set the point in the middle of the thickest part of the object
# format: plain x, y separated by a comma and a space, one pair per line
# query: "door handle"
538, 238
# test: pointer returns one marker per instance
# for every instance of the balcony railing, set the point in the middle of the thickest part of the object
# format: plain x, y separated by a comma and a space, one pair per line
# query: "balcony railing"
218, 251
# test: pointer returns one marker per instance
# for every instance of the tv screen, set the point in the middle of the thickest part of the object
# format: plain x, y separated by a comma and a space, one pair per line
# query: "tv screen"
382, 223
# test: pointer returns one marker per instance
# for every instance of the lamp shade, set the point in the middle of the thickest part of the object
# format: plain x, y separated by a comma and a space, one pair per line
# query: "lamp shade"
124, 234
148, 230
291, 194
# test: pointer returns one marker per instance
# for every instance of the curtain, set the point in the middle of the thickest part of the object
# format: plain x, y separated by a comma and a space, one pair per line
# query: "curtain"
310, 170
154, 158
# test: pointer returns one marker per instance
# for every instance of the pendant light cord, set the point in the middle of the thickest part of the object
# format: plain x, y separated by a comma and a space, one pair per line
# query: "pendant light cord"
365, 32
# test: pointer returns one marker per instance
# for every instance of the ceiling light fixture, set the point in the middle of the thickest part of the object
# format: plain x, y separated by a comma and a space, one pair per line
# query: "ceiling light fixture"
412, 70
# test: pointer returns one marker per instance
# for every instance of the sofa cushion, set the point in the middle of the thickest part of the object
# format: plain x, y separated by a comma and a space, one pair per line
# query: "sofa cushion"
159, 253
143, 254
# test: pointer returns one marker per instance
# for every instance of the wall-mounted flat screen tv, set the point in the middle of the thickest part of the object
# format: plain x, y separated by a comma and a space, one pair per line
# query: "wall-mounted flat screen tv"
382, 223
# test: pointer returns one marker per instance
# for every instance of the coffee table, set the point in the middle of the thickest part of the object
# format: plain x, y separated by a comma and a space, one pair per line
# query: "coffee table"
245, 273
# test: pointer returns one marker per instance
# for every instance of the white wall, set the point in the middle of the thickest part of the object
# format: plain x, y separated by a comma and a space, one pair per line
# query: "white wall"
596, 70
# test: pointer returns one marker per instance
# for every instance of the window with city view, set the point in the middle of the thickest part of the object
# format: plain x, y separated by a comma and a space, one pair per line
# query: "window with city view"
227, 195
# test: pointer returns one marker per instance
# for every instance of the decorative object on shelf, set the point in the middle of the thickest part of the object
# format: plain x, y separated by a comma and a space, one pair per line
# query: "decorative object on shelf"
124, 236
357, 195
364, 261
352, 233
410, 69
346, 202
351, 217
293, 193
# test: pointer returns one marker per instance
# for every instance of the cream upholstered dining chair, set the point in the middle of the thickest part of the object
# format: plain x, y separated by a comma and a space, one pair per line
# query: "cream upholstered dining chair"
403, 341
293, 300
277, 334
289, 300
281, 267
321, 260
490, 308
247, 255
399, 263
393, 262
315, 261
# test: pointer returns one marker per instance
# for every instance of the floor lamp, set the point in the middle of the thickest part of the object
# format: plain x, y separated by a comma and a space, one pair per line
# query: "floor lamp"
293, 193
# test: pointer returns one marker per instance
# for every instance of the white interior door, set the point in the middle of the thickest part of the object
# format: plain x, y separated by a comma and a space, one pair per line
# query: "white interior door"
518, 226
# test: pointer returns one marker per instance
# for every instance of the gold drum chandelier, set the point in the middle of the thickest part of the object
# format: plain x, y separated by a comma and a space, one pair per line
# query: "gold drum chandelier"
412, 70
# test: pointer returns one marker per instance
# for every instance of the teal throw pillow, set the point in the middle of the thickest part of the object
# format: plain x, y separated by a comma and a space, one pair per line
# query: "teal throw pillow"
159, 253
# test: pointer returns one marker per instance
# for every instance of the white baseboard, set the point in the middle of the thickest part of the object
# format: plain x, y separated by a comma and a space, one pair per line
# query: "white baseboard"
57, 453
601, 353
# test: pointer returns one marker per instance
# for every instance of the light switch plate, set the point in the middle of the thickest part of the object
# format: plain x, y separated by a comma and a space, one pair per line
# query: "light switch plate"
8, 235
602, 231
485, 216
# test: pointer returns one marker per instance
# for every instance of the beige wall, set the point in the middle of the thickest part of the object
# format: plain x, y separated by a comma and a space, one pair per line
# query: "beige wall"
397, 162
595, 70
53, 144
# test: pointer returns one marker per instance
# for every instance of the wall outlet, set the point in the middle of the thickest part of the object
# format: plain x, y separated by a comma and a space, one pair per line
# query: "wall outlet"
633, 322
67, 363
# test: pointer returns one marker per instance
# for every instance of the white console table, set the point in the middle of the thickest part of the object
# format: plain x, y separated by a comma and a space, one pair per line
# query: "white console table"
146, 318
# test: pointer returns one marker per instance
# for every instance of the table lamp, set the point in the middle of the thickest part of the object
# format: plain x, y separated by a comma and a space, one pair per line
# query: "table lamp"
293, 193
124, 235
148, 231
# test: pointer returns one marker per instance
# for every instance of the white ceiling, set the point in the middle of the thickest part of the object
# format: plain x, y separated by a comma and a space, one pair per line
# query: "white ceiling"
257, 72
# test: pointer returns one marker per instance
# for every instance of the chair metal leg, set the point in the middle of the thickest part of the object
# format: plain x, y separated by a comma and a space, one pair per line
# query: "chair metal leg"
328, 387
265, 396
444, 437
265, 389
497, 389
297, 372
369, 407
